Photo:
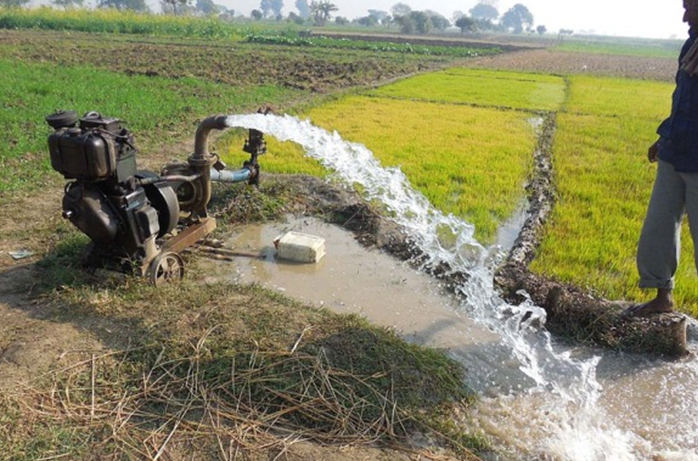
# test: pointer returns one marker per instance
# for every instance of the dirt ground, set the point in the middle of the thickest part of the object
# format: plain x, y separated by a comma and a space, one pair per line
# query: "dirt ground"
31, 341
566, 63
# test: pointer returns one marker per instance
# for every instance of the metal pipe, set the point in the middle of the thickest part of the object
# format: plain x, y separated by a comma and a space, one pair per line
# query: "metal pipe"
243, 174
201, 161
168, 178
216, 122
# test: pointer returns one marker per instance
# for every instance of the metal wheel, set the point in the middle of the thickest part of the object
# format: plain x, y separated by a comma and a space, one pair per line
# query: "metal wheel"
167, 267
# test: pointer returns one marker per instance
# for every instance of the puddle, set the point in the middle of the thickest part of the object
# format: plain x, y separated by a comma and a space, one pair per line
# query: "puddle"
353, 279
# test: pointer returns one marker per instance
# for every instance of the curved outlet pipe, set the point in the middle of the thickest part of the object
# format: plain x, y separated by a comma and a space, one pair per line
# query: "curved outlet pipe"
202, 160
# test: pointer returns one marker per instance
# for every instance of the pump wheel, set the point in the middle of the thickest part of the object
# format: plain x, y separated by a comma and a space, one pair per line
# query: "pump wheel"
167, 267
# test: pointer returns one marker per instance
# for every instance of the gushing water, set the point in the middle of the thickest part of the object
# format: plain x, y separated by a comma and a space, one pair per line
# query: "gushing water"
561, 401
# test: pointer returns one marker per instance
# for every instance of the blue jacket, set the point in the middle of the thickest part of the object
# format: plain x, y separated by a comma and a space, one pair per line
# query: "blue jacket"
679, 133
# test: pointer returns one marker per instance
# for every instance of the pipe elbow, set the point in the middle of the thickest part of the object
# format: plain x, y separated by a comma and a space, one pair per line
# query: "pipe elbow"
216, 122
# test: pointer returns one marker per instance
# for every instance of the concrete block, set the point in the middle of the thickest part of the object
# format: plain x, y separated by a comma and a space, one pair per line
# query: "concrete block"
299, 247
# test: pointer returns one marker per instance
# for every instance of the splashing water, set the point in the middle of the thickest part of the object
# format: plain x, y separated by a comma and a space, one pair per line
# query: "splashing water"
563, 417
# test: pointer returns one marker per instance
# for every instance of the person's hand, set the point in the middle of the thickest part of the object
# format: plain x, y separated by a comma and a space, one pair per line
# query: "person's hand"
653, 152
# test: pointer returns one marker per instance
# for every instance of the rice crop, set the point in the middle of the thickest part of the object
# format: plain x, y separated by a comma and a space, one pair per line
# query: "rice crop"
505, 90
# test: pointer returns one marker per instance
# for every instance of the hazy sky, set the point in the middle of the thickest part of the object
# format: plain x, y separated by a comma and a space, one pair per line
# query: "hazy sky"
645, 18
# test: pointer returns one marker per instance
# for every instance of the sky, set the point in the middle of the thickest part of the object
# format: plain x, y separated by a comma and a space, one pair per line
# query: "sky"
630, 18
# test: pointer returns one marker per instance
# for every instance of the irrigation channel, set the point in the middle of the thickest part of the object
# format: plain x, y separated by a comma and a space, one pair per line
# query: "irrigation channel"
540, 400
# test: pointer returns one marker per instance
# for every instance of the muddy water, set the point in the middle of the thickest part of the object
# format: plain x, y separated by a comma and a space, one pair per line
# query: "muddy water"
388, 292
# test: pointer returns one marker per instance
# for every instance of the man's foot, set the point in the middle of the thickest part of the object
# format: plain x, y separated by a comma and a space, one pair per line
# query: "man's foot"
656, 306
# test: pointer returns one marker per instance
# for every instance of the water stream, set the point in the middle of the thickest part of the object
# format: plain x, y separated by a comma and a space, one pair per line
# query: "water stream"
555, 402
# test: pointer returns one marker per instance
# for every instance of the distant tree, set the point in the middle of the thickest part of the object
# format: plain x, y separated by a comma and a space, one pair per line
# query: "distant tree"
400, 9
265, 8
541, 29
293, 17
465, 24
406, 23
321, 11
67, 4
173, 4
277, 6
256, 15
517, 18
422, 22
367, 21
134, 5
378, 15
437, 20
484, 24
13, 3
303, 8
457, 15
561, 34
341, 21
206, 7
485, 12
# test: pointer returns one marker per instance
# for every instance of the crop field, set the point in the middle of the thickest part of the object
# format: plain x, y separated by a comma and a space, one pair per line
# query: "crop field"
464, 131
474, 157
474, 160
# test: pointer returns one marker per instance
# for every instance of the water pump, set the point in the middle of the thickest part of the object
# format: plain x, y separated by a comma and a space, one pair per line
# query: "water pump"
138, 221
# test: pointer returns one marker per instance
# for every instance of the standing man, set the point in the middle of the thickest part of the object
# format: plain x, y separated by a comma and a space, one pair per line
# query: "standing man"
675, 191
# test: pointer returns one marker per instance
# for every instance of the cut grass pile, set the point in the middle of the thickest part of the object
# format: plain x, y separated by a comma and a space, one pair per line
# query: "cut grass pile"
604, 182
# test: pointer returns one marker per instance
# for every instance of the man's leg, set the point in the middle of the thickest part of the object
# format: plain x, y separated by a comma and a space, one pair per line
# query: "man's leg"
659, 245
691, 181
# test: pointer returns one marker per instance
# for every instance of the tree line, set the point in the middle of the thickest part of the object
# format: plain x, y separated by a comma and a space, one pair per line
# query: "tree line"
483, 17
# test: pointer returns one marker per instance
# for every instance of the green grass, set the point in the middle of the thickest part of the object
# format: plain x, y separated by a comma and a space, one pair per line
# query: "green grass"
166, 110
536, 92
459, 143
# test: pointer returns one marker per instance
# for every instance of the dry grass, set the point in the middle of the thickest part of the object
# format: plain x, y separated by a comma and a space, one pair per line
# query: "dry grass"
221, 371
173, 409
